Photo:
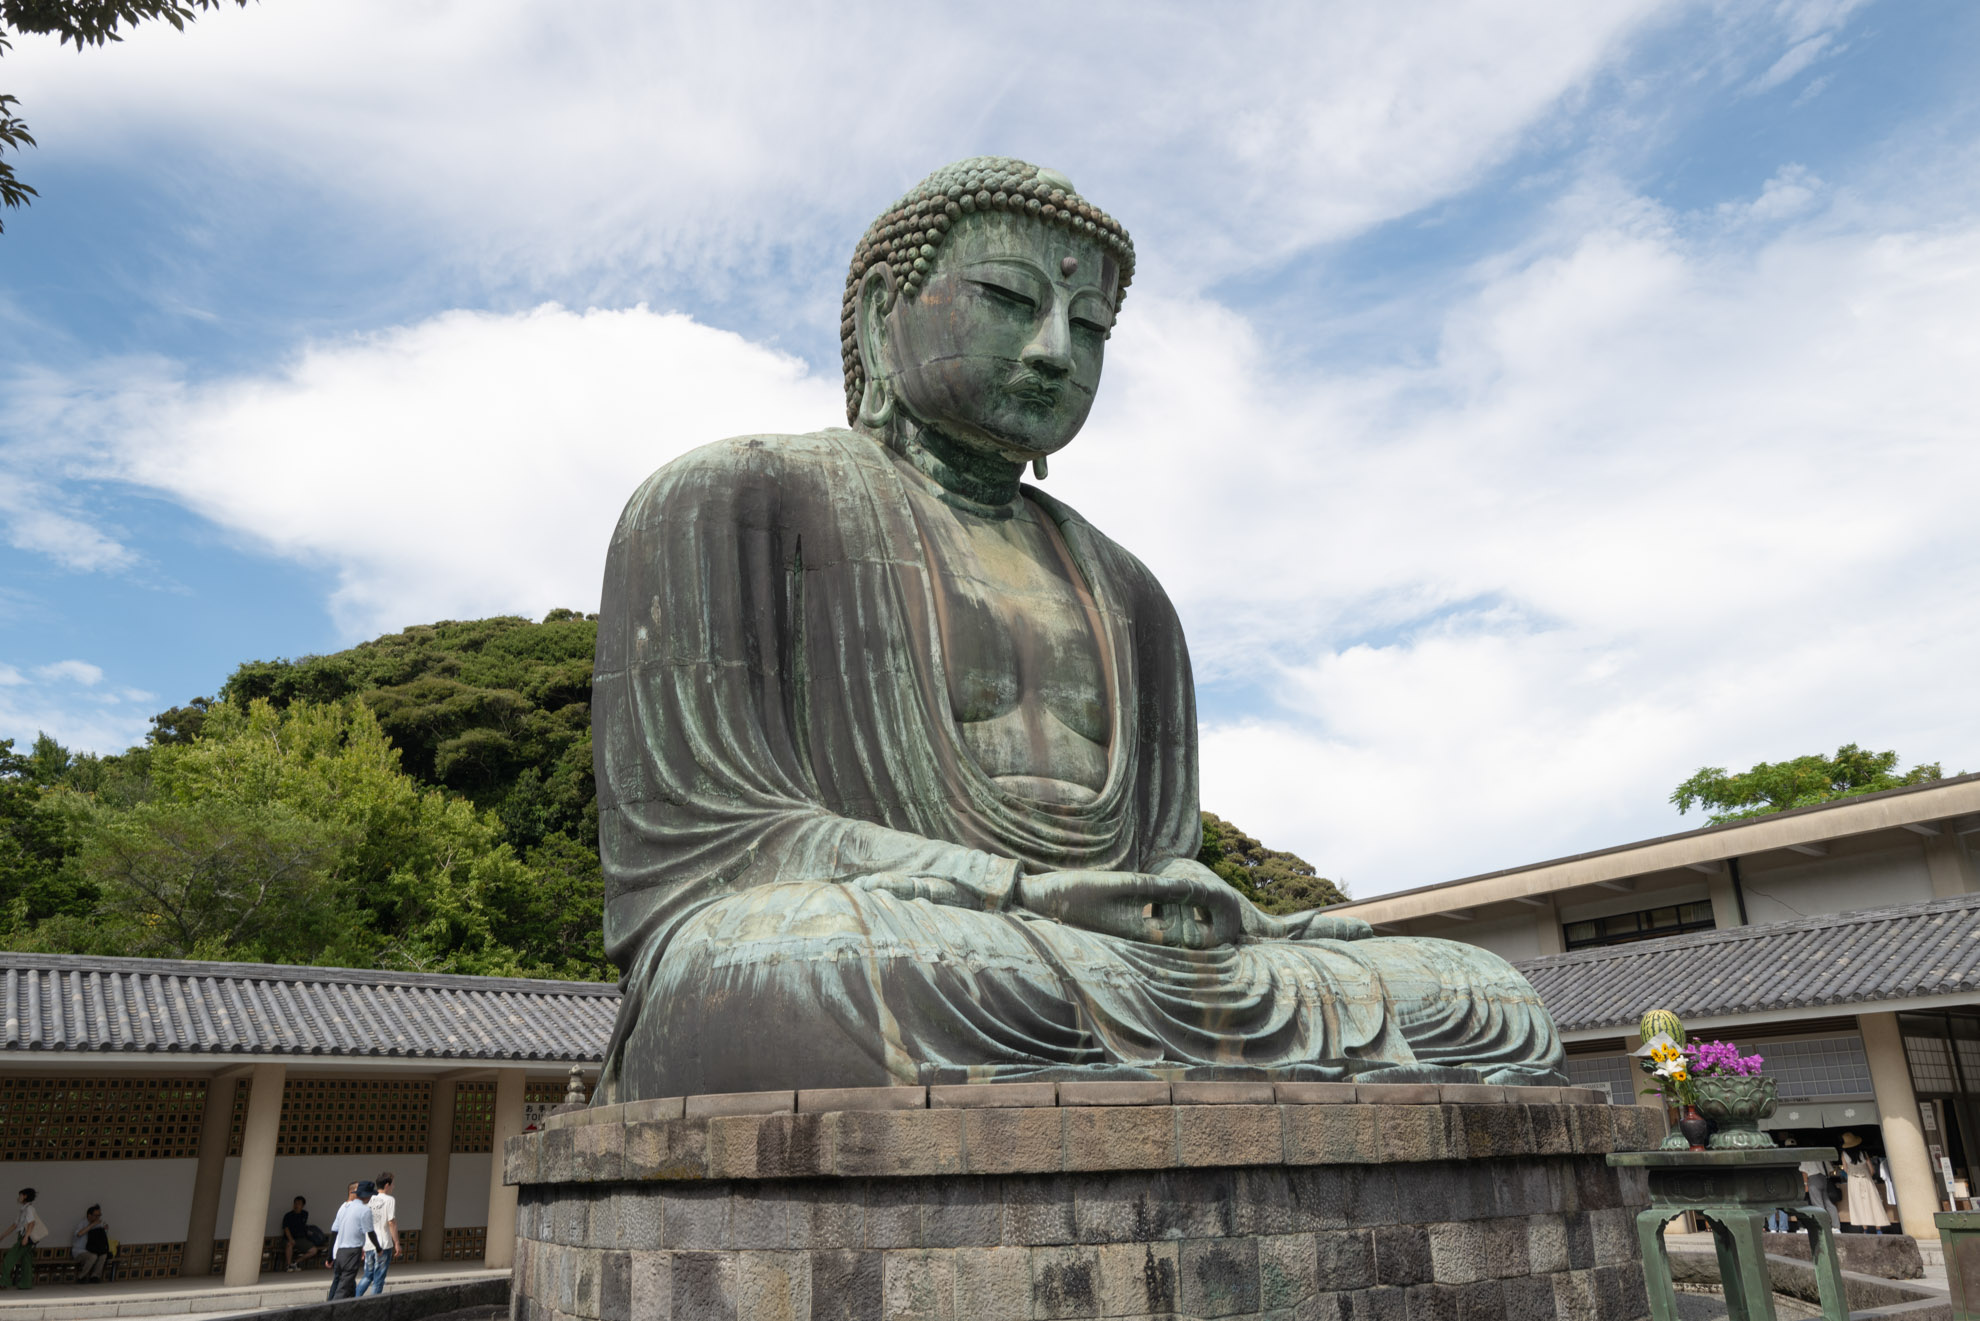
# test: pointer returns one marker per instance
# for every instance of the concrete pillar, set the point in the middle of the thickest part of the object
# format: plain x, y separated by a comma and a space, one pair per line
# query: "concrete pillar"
1725, 904
501, 1243
216, 1125
264, 1122
1949, 866
1547, 929
1904, 1138
439, 1158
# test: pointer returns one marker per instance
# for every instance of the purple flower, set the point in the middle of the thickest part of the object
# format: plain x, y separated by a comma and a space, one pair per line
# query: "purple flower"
1722, 1059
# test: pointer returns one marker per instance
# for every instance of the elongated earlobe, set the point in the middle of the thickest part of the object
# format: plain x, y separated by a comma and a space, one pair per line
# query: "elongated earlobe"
876, 405
1038, 464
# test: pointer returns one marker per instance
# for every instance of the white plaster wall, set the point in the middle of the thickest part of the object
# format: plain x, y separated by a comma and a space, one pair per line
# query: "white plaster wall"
322, 1180
1836, 884
144, 1201
1514, 938
467, 1190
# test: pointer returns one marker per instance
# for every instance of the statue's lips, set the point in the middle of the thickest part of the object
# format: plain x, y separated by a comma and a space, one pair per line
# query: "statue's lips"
1039, 396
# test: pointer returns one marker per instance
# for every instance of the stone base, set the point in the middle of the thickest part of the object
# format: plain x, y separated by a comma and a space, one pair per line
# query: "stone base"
1424, 1210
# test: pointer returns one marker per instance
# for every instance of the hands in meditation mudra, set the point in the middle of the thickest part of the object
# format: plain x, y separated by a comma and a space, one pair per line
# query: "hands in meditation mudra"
896, 757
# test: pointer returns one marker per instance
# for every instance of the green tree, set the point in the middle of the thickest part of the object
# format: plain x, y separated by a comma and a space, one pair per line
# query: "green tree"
497, 710
85, 23
294, 836
36, 838
1277, 882
1777, 786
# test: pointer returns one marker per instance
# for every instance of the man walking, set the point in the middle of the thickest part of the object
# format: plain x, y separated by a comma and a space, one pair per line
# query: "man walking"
350, 1234
385, 1233
27, 1230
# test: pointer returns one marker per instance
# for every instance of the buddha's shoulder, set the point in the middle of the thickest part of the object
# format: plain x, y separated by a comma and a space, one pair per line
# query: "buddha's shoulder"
763, 462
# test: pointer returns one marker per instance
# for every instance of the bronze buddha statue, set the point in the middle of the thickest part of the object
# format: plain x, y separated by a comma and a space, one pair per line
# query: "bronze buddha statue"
896, 754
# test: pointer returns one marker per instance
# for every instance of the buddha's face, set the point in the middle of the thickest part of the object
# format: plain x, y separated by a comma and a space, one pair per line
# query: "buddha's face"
1001, 348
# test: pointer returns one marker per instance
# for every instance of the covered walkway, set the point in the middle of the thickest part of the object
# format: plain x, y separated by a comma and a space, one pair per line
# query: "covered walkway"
195, 1101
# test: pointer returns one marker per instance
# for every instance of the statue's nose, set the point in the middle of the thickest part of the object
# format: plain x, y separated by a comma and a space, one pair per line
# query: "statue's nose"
1050, 350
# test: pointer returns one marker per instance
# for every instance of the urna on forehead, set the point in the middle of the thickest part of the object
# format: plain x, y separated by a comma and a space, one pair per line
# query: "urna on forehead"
909, 233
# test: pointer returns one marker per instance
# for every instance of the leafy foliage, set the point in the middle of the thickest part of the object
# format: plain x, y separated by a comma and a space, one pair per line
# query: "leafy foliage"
1801, 782
1277, 882
497, 710
294, 836
84, 23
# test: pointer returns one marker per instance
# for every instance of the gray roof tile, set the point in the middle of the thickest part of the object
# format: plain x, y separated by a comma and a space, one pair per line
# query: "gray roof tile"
71, 1005
1864, 957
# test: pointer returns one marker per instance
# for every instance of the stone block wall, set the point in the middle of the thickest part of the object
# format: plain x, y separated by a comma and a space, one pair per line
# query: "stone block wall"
1378, 1209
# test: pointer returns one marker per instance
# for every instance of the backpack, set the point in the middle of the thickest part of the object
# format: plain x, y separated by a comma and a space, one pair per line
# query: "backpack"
98, 1241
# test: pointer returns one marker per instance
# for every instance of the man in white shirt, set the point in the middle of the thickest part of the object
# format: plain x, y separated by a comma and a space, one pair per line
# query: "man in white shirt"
350, 1234
385, 1231
90, 1246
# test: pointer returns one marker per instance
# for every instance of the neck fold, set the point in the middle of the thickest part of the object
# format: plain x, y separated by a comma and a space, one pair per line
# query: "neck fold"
971, 480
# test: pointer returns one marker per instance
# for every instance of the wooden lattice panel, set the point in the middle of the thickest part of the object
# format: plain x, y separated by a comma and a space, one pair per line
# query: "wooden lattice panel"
474, 1110
345, 1117
474, 1116
464, 1244
100, 1118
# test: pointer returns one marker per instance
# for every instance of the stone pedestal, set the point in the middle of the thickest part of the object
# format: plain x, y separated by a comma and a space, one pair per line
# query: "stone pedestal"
1392, 1203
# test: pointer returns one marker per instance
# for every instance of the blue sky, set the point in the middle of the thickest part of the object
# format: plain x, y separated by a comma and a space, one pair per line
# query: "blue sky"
1525, 404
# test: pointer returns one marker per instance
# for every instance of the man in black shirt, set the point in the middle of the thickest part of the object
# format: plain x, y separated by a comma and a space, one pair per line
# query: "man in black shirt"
300, 1236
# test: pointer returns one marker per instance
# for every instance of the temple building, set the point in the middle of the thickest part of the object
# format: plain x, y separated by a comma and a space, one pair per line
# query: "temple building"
196, 1101
1841, 942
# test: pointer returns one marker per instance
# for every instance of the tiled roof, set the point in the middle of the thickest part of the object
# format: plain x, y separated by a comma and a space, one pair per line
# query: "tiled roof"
71, 1006
1872, 955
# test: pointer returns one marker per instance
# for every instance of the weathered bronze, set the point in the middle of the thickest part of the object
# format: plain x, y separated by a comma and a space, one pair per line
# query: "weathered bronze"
896, 757
1734, 1192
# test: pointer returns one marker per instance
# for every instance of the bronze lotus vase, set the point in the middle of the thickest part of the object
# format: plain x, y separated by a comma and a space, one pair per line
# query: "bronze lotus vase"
1736, 1105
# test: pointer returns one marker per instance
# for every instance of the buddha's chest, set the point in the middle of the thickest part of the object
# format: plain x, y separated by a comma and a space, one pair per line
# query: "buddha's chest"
1027, 683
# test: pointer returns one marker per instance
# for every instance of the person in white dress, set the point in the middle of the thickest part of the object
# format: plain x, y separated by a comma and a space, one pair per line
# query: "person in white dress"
1867, 1213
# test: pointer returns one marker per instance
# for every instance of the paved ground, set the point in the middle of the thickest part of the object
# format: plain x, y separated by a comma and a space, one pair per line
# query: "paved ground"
206, 1300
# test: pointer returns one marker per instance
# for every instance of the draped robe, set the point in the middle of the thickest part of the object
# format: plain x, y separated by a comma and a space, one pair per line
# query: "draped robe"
772, 725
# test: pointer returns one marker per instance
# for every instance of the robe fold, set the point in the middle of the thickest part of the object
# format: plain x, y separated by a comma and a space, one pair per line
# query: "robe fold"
772, 726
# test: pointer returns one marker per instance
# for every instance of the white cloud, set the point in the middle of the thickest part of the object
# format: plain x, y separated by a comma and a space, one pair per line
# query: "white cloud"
47, 701
541, 141
74, 671
1660, 499
469, 465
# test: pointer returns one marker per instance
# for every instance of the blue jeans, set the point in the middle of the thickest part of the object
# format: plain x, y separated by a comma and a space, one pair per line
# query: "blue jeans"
375, 1266
1778, 1223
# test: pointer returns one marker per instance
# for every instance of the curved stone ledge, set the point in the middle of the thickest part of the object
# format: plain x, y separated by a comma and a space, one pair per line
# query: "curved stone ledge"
1015, 1095
728, 1140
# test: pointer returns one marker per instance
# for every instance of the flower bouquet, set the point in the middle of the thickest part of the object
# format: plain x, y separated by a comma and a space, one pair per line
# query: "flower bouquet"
1665, 1060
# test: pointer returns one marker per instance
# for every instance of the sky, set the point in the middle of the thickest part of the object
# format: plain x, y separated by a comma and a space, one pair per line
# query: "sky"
1525, 404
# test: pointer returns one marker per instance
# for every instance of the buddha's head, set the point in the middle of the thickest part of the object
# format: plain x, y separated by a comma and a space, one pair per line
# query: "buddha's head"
980, 305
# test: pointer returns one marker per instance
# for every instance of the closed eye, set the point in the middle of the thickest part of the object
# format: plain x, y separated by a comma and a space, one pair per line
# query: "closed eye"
1009, 297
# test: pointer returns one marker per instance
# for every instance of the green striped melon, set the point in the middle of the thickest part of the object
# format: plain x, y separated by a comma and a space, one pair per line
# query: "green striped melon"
1661, 1022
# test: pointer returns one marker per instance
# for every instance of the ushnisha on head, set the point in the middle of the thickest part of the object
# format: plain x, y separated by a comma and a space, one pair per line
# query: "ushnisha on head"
979, 305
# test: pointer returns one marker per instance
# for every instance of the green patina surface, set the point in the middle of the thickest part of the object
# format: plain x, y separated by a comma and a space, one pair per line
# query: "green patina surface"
1734, 1192
897, 757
